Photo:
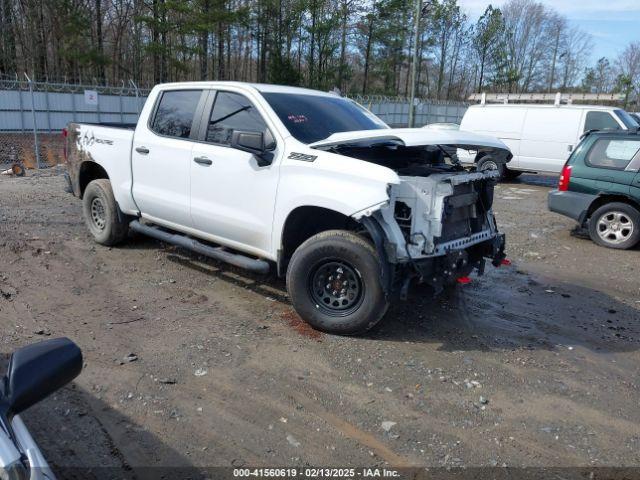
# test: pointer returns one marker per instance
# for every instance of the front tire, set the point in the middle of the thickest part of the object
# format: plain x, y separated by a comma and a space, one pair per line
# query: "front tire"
334, 284
101, 213
615, 225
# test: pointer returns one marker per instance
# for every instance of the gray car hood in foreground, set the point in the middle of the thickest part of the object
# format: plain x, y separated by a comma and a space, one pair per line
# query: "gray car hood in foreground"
416, 137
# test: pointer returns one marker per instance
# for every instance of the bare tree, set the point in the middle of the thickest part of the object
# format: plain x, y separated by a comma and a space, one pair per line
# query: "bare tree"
576, 46
527, 25
487, 35
628, 70
358, 45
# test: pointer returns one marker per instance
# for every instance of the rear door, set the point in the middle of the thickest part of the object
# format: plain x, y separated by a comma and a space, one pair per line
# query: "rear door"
634, 169
612, 163
548, 138
232, 197
161, 157
635, 186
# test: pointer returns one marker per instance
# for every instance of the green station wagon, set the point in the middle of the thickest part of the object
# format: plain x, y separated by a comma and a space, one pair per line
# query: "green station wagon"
599, 187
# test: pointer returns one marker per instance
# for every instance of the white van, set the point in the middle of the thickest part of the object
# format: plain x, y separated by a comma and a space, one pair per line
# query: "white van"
540, 137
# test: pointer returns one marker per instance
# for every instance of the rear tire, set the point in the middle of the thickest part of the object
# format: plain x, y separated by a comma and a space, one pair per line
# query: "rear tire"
333, 280
101, 213
489, 163
615, 225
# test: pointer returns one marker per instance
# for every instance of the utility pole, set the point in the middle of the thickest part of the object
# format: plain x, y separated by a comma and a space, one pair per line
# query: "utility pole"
414, 63
35, 126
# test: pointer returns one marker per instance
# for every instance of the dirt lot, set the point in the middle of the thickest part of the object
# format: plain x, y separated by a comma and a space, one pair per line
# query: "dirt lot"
534, 364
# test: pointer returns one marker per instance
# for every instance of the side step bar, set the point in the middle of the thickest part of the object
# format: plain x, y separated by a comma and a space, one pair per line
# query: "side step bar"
218, 253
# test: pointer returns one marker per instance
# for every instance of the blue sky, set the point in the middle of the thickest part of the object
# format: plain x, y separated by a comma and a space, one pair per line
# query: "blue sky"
611, 23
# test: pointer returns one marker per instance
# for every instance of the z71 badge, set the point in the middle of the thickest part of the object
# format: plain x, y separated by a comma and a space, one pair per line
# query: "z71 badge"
301, 156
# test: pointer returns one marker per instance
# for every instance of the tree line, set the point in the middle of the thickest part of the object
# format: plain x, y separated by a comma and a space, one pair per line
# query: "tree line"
356, 46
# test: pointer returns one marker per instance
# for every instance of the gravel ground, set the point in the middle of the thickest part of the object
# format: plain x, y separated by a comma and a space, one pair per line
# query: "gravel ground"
533, 365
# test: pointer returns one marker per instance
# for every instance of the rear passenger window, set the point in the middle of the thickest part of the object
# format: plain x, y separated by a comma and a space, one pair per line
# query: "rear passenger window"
600, 121
232, 111
174, 116
611, 153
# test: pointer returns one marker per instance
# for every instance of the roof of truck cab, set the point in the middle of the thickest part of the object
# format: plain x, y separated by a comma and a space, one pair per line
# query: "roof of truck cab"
548, 106
261, 87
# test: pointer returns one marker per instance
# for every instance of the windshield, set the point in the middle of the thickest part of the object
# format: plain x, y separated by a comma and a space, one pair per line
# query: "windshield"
310, 118
627, 119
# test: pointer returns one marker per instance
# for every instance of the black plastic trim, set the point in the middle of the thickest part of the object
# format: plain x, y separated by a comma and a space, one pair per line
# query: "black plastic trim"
377, 235
570, 204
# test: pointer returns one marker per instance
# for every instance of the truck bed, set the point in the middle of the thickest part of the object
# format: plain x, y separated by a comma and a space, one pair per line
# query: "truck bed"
109, 146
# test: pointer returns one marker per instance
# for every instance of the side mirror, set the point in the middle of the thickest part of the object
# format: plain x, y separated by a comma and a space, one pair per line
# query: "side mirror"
252, 142
37, 370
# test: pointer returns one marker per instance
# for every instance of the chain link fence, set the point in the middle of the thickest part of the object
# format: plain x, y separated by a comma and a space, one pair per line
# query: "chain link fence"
395, 110
33, 115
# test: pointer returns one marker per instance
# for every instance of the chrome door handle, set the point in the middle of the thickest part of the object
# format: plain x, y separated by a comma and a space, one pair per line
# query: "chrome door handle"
203, 161
142, 150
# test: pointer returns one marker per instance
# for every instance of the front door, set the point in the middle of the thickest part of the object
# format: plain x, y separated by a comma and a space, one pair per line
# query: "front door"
232, 197
161, 157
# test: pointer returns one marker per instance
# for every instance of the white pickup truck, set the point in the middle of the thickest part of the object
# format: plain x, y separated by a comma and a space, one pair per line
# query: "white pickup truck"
307, 184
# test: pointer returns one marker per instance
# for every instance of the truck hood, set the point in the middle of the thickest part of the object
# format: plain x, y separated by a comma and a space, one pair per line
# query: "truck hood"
416, 137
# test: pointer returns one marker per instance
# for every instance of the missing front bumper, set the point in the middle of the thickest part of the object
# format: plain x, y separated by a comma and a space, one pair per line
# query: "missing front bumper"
443, 270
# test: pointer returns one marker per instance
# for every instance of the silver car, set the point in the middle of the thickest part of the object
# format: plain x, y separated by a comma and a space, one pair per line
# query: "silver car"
34, 372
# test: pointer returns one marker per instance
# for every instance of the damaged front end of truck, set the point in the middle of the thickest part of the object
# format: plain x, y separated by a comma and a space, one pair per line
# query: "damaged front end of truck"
438, 229
438, 225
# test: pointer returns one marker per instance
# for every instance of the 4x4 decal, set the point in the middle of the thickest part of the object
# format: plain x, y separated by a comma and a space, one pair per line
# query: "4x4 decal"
88, 139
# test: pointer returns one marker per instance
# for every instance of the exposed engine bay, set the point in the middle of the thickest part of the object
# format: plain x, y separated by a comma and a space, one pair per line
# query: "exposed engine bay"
415, 160
439, 221
406, 161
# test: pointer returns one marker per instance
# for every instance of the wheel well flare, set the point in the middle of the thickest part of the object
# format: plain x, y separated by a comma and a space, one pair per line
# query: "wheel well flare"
604, 199
305, 222
88, 172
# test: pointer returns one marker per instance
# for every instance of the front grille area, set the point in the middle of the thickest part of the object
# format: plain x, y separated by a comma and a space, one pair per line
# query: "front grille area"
464, 213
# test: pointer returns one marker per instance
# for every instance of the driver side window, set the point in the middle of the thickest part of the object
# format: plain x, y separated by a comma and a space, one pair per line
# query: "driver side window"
233, 111
600, 121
